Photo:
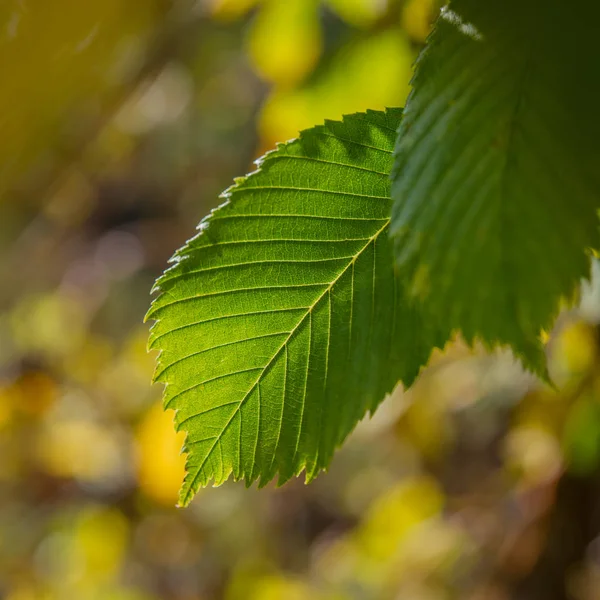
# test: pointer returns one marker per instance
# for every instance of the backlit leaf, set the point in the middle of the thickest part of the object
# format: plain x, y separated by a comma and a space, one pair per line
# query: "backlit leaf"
282, 322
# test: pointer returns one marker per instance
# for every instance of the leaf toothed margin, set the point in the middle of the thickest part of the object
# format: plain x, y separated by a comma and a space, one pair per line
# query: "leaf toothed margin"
283, 321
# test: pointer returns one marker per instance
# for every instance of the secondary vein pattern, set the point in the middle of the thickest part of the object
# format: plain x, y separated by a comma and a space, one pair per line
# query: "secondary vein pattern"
273, 349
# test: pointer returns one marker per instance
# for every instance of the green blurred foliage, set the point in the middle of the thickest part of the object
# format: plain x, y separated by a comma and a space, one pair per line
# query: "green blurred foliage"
121, 122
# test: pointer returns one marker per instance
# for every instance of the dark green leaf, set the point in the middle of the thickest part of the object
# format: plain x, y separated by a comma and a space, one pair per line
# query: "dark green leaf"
495, 182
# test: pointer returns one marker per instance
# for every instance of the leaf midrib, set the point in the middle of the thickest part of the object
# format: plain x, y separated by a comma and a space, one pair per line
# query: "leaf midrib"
264, 370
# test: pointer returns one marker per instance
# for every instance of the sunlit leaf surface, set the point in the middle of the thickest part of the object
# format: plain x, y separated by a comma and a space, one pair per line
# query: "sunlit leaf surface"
282, 322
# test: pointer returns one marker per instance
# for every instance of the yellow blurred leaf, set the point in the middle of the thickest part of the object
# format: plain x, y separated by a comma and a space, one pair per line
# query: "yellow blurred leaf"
381, 67
394, 514
52, 324
285, 40
533, 454
125, 379
573, 351
433, 548
136, 350
425, 425
100, 539
278, 587
360, 13
161, 465
450, 383
79, 448
232, 9
417, 18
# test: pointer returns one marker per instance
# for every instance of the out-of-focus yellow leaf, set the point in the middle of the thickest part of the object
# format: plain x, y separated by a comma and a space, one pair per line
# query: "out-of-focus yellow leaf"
285, 40
417, 17
452, 384
381, 68
360, 13
126, 378
339, 560
161, 465
232, 9
277, 587
533, 454
372, 555
242, 579
396, 513
59, 59
50, 324
129, 594
100, 539
79, 448
433, 548
541, 409
137, 353
573, 352
426, 426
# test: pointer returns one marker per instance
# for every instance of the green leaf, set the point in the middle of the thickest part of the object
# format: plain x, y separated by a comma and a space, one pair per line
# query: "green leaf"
282, 321
495, 181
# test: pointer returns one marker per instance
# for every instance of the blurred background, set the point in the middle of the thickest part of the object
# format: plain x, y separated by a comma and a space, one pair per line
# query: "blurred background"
121, 121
